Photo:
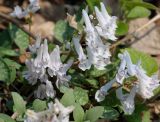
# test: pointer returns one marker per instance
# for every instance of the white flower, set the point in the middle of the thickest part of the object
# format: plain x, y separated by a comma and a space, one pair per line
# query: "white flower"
130, 66
49, 89
89, 27
32, 8
84, 62
38, 60
55, 113
99, 56
103, 91
127, 100
30, 75
63, 111
40, 92
56, 68
45, 90
18, 12
121, 74
45, 56
107, 24
62, 78
146, 84
98, 53
32, 116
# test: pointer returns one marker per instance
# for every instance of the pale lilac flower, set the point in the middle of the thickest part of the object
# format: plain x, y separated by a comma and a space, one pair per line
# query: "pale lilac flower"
38, 60
130, 66
107, 24
98, 53
45, 56
127, 100
31, 76
121, 74
18, 12
103, 91
146, 84
85, 63
56, 68
40, 92
32, 116
49, 89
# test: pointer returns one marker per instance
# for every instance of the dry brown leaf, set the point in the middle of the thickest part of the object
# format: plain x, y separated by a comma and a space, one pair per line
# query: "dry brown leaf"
72, 20
42, 27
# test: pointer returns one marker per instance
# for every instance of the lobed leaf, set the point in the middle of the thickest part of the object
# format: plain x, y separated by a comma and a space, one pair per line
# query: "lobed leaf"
19, 103
78, 113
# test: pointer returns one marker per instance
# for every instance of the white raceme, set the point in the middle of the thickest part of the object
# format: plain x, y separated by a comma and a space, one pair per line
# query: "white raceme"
98, 53
44, 64
107, 24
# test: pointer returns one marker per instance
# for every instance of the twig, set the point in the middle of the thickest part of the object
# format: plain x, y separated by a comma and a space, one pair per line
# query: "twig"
132, 35
16, 22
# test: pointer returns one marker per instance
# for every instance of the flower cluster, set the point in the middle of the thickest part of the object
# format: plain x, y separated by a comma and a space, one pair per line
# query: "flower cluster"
97, 53
55, 113
44, 63
44, 66
32, 8
143, 87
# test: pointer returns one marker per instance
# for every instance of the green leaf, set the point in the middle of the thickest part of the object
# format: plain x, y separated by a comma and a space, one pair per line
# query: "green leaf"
1, 120
39, 105
94, 113
63, 31
4, 71
93, 3
81, 95
96, 73
7, 52
132, 4
110, 113
5, 40
111, 100
146, 116
12, 75
12, 63
68, 98
122, 28
148, 63
19, 103
92, 82
20, 38
78, 113
6, 118
139, 12
12, 68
